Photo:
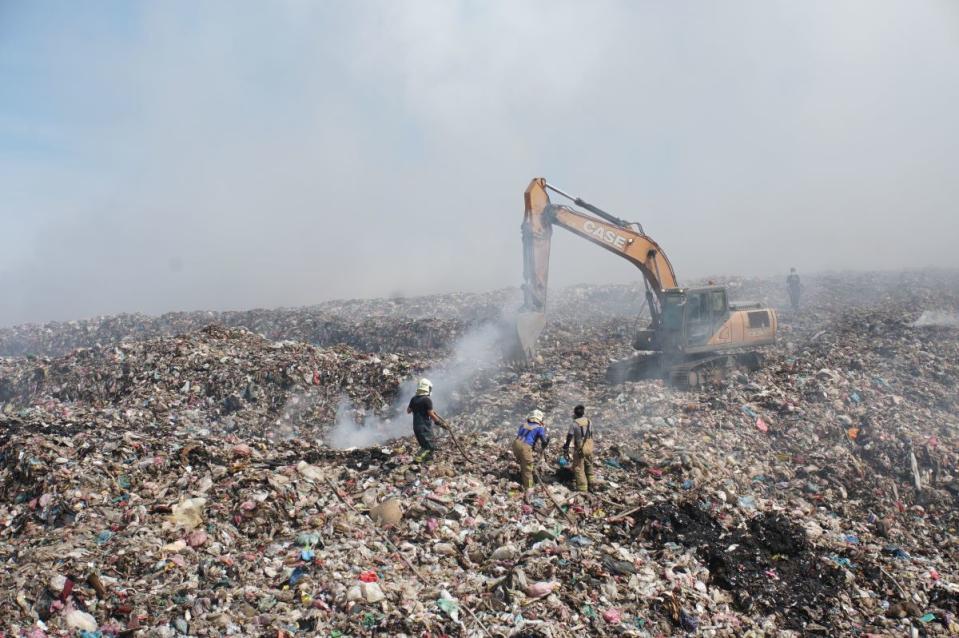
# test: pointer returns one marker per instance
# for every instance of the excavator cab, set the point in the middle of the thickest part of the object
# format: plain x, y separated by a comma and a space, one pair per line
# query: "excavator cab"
689, 318
695, 320
696, 335
706, 311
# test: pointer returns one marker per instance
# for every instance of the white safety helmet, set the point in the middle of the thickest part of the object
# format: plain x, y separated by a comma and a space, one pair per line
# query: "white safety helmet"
425, 386
536, 416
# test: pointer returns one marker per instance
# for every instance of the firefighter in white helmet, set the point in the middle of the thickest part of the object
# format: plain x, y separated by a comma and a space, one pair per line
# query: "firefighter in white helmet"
524, 445
421, 407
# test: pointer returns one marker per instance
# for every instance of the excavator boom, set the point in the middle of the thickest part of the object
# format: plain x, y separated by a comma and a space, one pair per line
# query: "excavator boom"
606, 231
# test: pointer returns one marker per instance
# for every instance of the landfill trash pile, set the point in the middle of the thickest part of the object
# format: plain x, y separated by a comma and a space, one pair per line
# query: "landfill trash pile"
313, 326
397, 324
218, 379
417, 324
411, 325
816, 496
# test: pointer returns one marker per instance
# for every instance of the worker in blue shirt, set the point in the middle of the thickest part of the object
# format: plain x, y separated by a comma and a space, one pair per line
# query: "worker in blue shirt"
526, 437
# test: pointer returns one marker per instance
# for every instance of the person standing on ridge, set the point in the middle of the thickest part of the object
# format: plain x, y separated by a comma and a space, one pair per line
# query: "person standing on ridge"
421, 407
523, 445
795, 287
581, 436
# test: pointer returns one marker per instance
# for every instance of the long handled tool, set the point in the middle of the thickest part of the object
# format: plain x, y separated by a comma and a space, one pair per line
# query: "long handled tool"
539, 481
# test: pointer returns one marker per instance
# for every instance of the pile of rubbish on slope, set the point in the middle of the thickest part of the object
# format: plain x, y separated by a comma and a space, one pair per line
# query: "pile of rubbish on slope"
371, 334
218, 379
816, 496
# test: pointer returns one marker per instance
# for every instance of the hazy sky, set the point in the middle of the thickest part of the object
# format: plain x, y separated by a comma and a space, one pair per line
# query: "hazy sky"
173, 155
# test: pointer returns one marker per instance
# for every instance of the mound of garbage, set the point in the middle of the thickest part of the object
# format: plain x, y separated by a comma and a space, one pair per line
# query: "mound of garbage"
184, 485
219, 379
388, 325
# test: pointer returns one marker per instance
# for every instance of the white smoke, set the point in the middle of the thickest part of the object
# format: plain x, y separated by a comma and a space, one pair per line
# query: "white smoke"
369, 430
473, 353
299, 415
937, 318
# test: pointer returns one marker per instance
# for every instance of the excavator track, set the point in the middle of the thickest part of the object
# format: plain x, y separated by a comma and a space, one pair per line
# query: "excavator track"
693, 374
685, 374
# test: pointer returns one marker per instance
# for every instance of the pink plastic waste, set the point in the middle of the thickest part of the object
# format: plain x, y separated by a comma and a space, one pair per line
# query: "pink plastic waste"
197, 538
540, 589
613, 616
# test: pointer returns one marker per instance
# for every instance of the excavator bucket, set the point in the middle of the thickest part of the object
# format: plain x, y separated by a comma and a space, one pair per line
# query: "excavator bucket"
529, 325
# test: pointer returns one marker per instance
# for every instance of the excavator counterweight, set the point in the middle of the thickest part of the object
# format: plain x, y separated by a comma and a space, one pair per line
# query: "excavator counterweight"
693, 334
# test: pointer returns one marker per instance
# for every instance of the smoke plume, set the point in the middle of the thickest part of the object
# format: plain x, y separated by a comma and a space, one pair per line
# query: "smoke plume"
938, 319
473, 353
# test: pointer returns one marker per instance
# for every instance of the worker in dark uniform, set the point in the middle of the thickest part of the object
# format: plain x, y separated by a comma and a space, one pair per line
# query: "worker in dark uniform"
581, 436
525, 443
794, 287
421, 407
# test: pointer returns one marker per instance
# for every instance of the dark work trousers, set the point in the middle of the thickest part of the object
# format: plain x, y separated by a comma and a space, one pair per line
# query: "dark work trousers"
424, 436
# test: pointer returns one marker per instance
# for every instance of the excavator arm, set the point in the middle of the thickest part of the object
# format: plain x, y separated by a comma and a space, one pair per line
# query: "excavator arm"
607, 231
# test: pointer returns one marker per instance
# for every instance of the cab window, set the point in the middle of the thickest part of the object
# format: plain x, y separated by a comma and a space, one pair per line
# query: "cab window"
673, 312
694, 308
717, 302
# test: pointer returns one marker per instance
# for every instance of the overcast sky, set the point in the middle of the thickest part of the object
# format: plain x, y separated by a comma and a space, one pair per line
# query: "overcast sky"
170, 155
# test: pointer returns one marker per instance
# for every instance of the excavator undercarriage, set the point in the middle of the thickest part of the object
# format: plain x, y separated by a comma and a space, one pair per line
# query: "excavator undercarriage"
695, 335
683, 372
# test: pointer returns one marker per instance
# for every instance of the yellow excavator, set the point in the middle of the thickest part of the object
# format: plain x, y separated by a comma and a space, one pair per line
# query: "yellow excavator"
695, 336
